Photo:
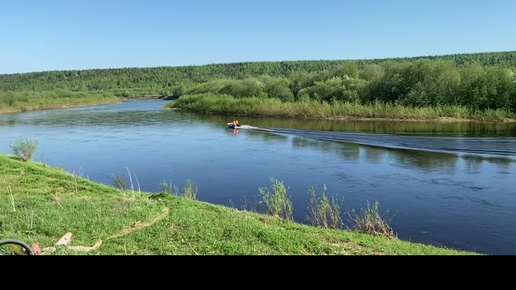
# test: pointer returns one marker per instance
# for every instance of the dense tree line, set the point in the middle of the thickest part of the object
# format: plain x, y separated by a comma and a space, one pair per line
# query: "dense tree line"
421, 83
478, 81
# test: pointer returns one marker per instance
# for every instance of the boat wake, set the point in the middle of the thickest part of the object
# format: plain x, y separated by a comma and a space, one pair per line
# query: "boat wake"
485, 146
255, 128
231, 126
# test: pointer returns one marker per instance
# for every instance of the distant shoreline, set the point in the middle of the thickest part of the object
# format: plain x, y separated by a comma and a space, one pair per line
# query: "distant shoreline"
166, 98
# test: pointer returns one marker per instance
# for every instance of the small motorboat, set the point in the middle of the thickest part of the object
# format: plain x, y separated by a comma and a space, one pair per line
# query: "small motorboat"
233, 126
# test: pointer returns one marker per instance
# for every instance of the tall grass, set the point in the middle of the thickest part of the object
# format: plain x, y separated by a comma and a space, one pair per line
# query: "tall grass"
370, 220
169, 188
313, 109
27, 101
189, 190
11, 198
326, 212
323, 212
276, 200
120, 182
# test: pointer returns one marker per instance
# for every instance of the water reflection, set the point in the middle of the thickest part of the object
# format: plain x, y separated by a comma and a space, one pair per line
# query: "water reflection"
380, 127
349, 151
375, 155
424, 161
421, 160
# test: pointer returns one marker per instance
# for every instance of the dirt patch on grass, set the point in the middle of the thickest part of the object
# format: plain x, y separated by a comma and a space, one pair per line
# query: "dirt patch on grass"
139, 225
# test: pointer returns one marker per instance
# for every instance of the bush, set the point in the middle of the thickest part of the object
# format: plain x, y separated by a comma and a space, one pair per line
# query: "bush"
24, 148
323, 212
371, 221
277, 202
169, 188
190, 190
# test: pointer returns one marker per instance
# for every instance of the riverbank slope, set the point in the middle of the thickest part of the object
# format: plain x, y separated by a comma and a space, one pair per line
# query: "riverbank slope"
40, 204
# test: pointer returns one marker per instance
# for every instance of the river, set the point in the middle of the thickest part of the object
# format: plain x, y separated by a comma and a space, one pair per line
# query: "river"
447, 184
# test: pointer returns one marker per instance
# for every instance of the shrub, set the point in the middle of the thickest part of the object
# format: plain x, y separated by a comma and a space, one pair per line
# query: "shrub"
169, 188
322, 211
190, 190
24, 148
120, 182
277, 202
370, 221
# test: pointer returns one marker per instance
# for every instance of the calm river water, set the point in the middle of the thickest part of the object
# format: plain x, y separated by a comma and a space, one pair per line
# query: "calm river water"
445, 184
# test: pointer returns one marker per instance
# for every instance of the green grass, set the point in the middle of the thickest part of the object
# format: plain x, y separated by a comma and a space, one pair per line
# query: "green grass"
40, 204
12, 102
312, 109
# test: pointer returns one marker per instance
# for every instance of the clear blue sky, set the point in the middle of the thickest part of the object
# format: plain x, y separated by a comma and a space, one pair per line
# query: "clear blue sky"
38, 35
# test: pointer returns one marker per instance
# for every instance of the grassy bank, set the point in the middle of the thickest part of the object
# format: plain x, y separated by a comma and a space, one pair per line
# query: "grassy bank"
312, 109
13, 102
40, 204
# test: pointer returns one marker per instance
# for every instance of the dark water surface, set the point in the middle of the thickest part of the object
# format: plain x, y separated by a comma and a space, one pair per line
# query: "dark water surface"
446, 184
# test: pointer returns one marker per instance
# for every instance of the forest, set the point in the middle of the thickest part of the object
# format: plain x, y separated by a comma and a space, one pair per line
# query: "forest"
476, 81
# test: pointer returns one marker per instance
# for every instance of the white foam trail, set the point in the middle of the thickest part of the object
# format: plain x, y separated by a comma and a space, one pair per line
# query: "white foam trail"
254, 128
